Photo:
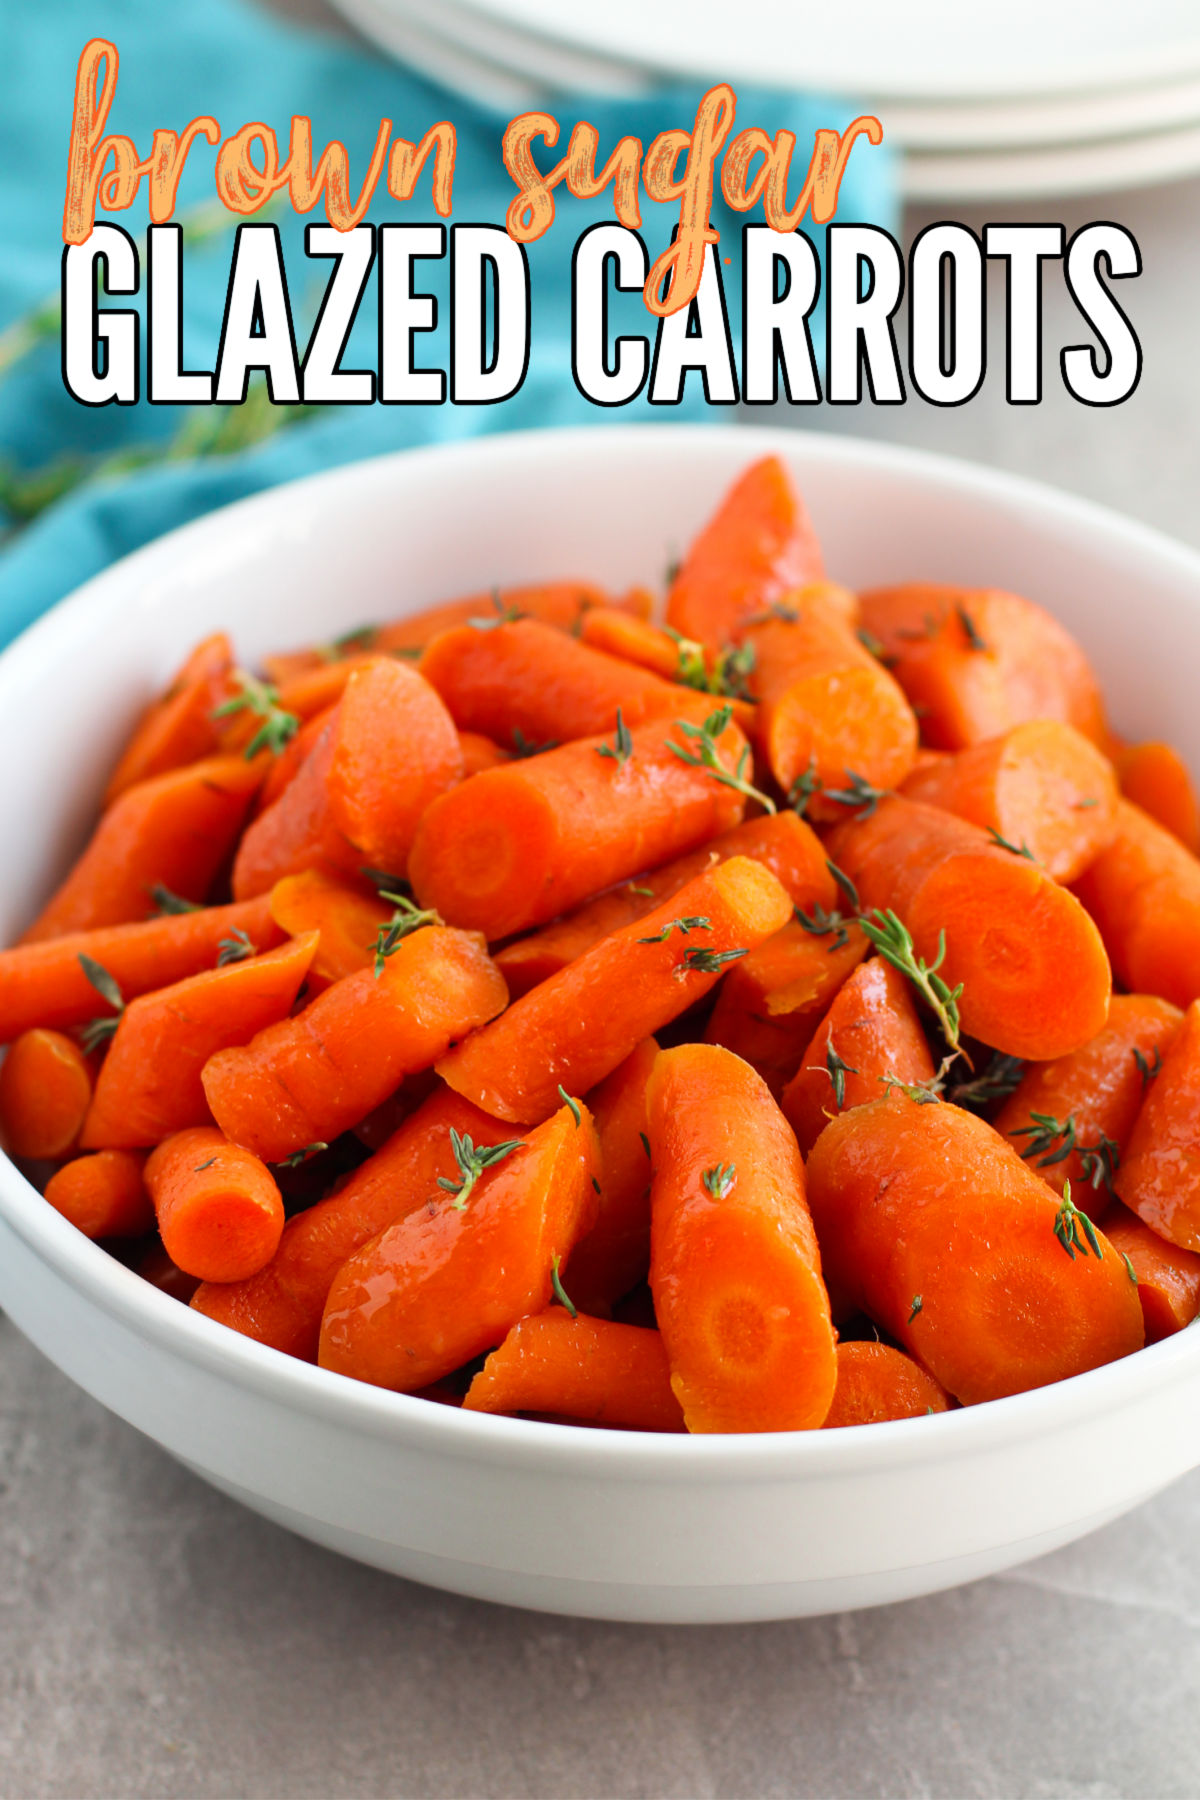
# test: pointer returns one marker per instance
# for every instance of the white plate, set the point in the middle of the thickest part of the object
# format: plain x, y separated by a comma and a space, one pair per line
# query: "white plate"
1030, 174
615, 1525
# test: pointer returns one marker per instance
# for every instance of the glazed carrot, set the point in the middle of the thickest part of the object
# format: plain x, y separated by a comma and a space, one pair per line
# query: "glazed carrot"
175, 829
1168, 1278
282, 1304
634, 640
452, 1279
974, 662
479, 753
734, 1269
769, 1005
178, 728
525, 682
876, 1382
870, 1035
291, 758
1041, 786
1070, 1119
45, 1088
156, 1266
931, 1224
219, 1213
575, 1028
390, 748
104, 1196
756, 550
304, 697
45, 983
308, 1079
1035, 978
349, 921
615, 1254
828, 710
515, 846
560, 603
149, 1085
1144, 894
1155, 777
579, 1368
1159, 1176
780, 841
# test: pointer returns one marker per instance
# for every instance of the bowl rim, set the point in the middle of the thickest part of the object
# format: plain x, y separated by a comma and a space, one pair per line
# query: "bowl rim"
526, 1443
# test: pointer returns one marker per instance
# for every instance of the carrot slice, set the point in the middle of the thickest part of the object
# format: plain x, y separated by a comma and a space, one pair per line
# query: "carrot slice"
1144, 894
306, 695
735, 1270
1155, 777
575, 1028
291, 759
479, 753
220, 1215
1042, 786
282, 1304
981, 1274
871, 1035
1159, 1177
876, 1382
307, 1079
348, 920
452, 1280
579, 1368
1168, 1278
1036, 980
175, 830
634, 640
149, 1085
45, 1090
104, 1196
769, 1005
178, 728
615, 1254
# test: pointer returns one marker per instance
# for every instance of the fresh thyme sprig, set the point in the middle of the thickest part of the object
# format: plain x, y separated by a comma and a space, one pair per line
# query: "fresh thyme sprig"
683, 926
859, 795
98, 1031
559, 1291
337, 648
1003, 843
974, 640
698, 961
848, 890
407, 918
165, 902
893, 941
473, 1159
1002, 1077
523, 747
837, 1071
235, 948
729, 675
806, 785
301, 1156
621, 748
1067, 1223
720, 1179
704, 737
1051, 1140
277, 729
571, 1104
501, 614
1099, 1162
1148, 1067
819, 923
917, 1304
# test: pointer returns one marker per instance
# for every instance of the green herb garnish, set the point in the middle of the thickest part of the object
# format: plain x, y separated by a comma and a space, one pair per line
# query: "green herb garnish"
621, 748
719, 1179
472, 1160
683, 926
277, 728
704, 756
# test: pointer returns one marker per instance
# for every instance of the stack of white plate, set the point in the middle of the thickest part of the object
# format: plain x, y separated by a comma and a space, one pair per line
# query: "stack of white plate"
985, 100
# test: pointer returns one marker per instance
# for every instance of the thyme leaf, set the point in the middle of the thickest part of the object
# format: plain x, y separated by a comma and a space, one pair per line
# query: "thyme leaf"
621, 748
301, 1156
837, 1071
277, 728
472, 1160
572, 1104
1067, 1223
720, 1179
974, 640
1002, 843
1148, 1068
1051, 1140
819, 923
893, 941
805, 786
523, 747
166, 903
859, 795
1002, 1077
704, 755
500, 614
683, 926
917, 1304
235, 948
560, 1292
707, 962
407, 918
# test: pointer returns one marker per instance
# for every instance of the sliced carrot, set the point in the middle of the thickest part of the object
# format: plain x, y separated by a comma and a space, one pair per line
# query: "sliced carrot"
1144, 893
575, 1028
348, 920
1159, 1176
149, 1086
310, 1078
735, 1270
870, 1036
177, 728
479, 753
974, 662
876, 1382
932, 1225
175, 830
220, 1215
769, 1005
291, 758
634, 640
1155, 777
1035, 977
104, 1196
304, 697
561, 603
1041, 786
282, 1304
45, 1090
615, 1254
452, 1279
515, 846
579, 1368
1168, 1278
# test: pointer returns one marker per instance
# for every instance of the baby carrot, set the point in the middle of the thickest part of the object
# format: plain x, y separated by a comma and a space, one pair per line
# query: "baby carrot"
219, 1212
282, 1304
1155, 777
1159, 1176
932, 1225
634, 640
615, 1254
1168, 1278
452, 1279
769, 1004
974, 662
46, 983
45, 1090
175, 830
307, 1079
782, 842
479, 753
573, 1030
876, 1382
291, 758
579, 1368
515, 846
349, 921
1070, 1119
1035, 979
149, 1085
1041, 787
755, 551
1144, 893
870, 1035
104, 1196
735, 1270
178, 727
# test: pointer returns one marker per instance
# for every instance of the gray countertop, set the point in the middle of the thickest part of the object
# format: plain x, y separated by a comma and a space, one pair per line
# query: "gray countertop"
157, 1640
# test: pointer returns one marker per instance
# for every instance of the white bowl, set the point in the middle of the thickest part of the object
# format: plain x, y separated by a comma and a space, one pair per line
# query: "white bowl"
608, 1524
